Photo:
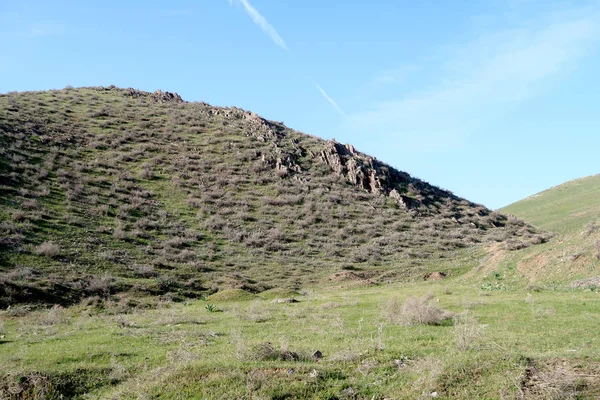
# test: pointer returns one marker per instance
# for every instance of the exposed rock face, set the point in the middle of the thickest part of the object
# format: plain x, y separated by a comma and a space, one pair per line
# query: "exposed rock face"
166, 97
368, 173
359, 169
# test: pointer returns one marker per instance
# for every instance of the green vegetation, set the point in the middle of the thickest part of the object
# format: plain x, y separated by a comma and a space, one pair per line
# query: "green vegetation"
507, 344
157, 249
106, 191
573, 211
567, 208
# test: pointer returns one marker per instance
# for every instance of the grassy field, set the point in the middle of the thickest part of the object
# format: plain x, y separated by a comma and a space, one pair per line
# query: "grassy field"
499, 344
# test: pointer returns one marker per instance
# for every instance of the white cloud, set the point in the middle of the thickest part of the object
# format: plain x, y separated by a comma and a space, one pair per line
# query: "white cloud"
488, 76
330, 100
262, 23
267, 28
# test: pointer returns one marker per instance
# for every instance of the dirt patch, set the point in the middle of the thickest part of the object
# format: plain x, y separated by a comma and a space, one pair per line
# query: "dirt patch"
534, 267
561, 379
350, 279
435, 276
496, 254
344, 276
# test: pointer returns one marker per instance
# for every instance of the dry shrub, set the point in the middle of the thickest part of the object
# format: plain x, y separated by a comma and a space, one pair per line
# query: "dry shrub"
48, 249
591, 228
467, 331
428, 370
553, 383
100, 286
267, 352
182, 355
257, 312
55, 316
144, 271
416, 311
16, 386
19, 216
330, 305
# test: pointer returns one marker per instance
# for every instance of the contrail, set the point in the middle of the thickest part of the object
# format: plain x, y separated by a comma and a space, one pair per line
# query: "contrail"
263, 24
267, 28
330, 100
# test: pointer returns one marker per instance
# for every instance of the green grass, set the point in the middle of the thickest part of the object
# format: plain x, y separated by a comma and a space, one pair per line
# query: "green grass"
571, 210
566, 208
182, 351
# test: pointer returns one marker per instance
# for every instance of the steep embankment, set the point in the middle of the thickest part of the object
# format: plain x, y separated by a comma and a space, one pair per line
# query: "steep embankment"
107, 190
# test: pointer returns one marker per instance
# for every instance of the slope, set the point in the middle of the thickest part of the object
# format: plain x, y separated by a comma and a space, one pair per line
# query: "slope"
571, 210
566, 208
108, 190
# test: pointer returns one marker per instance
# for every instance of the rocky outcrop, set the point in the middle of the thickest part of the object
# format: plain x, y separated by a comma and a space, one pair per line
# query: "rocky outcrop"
166, 97
367, 172
158, 96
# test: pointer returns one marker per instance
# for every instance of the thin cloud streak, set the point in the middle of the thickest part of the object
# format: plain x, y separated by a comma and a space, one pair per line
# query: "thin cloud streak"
330, 100
262, 23
267, 28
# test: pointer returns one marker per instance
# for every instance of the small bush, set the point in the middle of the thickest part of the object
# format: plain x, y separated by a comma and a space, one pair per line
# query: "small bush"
55, 316
147, 173
591, 228
19, 216
267, 352
415, 311
120, 234
100, 286
467, 331
144, 271
48, 249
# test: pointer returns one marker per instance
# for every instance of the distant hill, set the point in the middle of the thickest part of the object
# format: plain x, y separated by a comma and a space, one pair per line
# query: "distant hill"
573, 211
566, 208
108, 190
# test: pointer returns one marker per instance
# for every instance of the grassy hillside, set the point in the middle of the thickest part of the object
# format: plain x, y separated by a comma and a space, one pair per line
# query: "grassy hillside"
567, 208
108, 190
156, 249
572, 210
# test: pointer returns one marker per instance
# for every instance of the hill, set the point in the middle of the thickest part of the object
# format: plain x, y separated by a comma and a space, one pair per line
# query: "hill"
108, 190
119, 203
566, 208
571, 210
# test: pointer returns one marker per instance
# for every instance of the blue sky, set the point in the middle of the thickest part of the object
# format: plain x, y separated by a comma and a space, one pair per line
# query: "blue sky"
494, 100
